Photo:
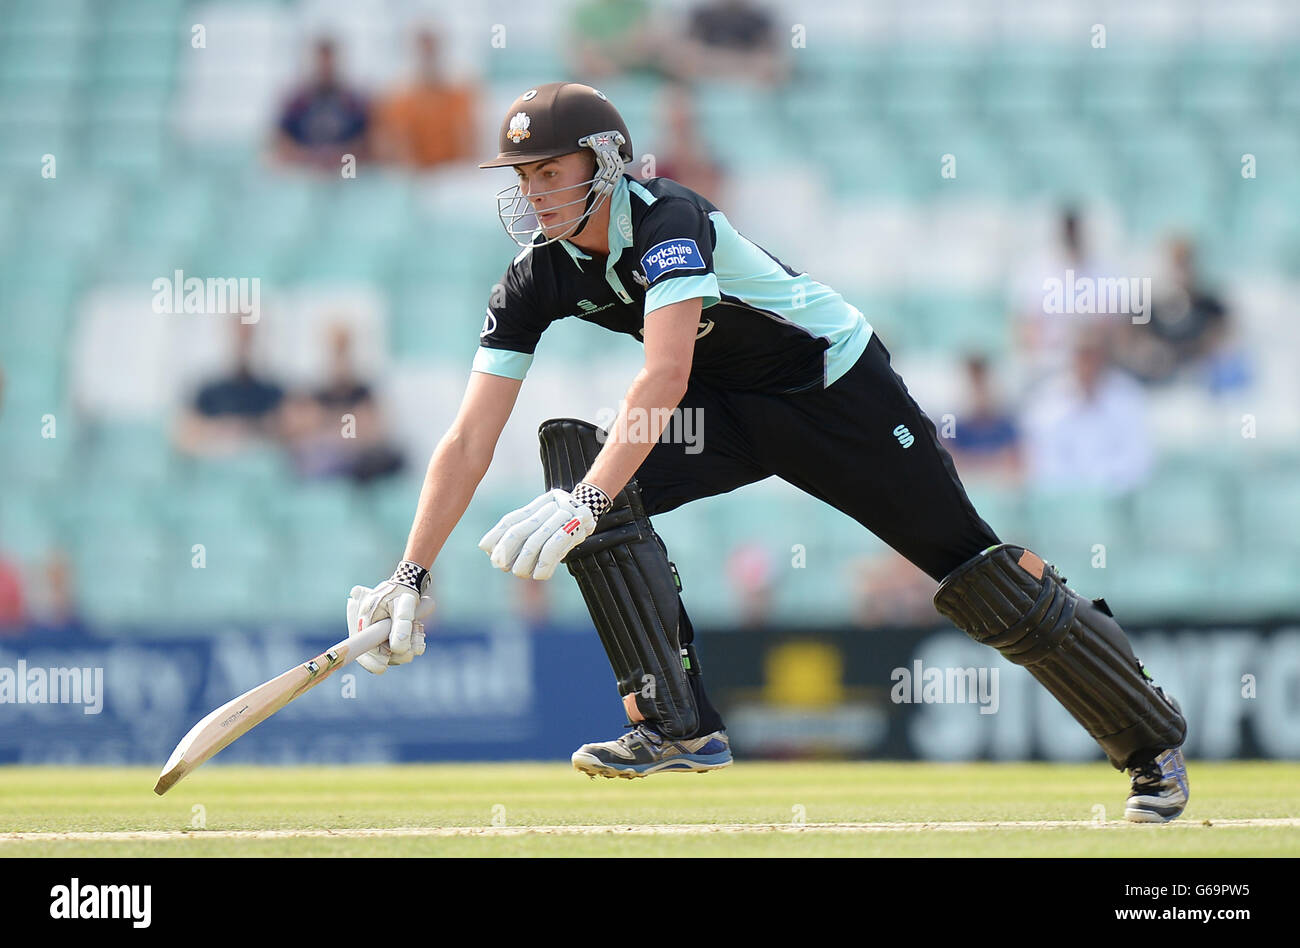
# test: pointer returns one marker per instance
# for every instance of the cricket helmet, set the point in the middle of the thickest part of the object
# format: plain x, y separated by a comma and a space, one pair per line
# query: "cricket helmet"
557, 119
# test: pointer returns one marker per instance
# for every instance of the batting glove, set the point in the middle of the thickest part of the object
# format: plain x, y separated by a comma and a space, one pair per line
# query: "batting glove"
532, 541
402, 599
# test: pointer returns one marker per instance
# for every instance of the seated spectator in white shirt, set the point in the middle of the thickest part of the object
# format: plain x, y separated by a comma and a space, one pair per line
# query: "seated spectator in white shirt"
1088, 428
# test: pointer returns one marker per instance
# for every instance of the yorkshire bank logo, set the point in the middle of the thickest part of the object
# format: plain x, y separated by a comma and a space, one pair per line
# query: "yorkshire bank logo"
671, 255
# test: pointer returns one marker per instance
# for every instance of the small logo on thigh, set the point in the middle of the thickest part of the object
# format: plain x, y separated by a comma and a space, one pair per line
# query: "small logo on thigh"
905, 437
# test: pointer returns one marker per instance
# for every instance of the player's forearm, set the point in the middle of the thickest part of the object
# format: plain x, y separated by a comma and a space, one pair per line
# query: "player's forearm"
453, 475
641, 420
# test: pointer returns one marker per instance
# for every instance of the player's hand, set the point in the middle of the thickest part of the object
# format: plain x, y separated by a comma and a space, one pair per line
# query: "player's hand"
397, 600
531, 541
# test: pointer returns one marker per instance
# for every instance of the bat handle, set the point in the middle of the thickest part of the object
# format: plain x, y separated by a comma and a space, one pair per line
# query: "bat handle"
370, 637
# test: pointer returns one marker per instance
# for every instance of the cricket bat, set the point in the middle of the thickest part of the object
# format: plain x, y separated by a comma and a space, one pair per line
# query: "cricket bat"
236, 718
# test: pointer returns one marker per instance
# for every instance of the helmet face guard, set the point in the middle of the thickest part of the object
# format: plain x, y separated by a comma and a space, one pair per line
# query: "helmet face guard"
516, 211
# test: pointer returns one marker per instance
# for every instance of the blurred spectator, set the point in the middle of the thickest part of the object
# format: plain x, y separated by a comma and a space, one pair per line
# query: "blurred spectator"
888, 591
730, 39
323, 120
685, 158
1088, 428
612, 37
986, 439
235, 412
12, 610
58, 617
1045, 339
430, 122
751, 574
1189, 326
338, 431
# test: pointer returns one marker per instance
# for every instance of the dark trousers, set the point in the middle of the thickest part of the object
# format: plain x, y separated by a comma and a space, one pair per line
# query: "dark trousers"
863, 446
838, 444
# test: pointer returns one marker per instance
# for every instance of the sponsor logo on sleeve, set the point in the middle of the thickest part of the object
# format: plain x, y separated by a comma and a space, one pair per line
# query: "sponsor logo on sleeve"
489, 325
668, 255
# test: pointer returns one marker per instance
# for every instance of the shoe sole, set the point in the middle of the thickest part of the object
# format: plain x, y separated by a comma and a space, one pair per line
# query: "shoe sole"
681, 764
1144, 815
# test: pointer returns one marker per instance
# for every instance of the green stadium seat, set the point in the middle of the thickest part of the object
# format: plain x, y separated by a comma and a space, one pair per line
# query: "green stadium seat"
373, 208
1255, 583
24, 145
129, 453
1269, 505
138, 147
255, 470
1059, 159
140, 56
27, 524
278, 206
46, 16
171, 212
1010, 90
1162, 587
133, 103
1182, 515
232, 586
1000, 506
958, 322
324, 503
125, 576
822, 596
140, 16
1066, 527
1132, 90
935, 95
141, 264
1220, 93
337, 261
39, 101
46, 56
512, 65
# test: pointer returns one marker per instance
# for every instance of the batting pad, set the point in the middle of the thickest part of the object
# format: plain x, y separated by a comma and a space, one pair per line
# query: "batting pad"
1008, 598
628, 584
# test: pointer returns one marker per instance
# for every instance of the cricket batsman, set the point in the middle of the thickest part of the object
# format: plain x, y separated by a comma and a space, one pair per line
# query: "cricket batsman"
791, 381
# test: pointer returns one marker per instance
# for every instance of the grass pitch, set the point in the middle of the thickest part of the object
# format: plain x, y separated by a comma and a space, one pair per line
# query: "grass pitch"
548, 809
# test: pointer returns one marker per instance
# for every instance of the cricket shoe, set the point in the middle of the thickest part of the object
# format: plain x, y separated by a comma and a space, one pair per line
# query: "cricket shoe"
1159, 791
643, 751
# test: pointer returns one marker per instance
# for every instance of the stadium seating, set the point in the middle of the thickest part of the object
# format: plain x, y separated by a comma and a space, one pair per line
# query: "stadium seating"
1157, 135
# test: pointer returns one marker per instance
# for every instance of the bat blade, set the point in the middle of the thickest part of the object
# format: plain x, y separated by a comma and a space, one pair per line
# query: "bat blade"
236, 718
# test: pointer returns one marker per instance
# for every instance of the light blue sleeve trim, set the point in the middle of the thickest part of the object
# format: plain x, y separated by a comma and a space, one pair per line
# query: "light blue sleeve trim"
503, 362
667, 292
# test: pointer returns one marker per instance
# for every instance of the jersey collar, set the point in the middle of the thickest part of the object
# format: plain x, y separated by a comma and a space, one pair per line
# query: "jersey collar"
620, 229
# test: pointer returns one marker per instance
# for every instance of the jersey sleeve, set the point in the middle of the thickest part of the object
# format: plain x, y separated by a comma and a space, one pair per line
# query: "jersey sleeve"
675, 252
513, 324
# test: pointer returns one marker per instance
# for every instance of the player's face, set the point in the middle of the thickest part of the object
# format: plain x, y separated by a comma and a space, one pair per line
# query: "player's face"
557, 191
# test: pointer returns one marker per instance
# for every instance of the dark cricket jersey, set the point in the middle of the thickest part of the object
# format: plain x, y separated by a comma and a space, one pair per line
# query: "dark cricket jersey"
764, 327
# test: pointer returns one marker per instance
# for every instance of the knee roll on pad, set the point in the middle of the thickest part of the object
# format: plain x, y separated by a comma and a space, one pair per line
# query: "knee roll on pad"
1007, 597
629, 586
